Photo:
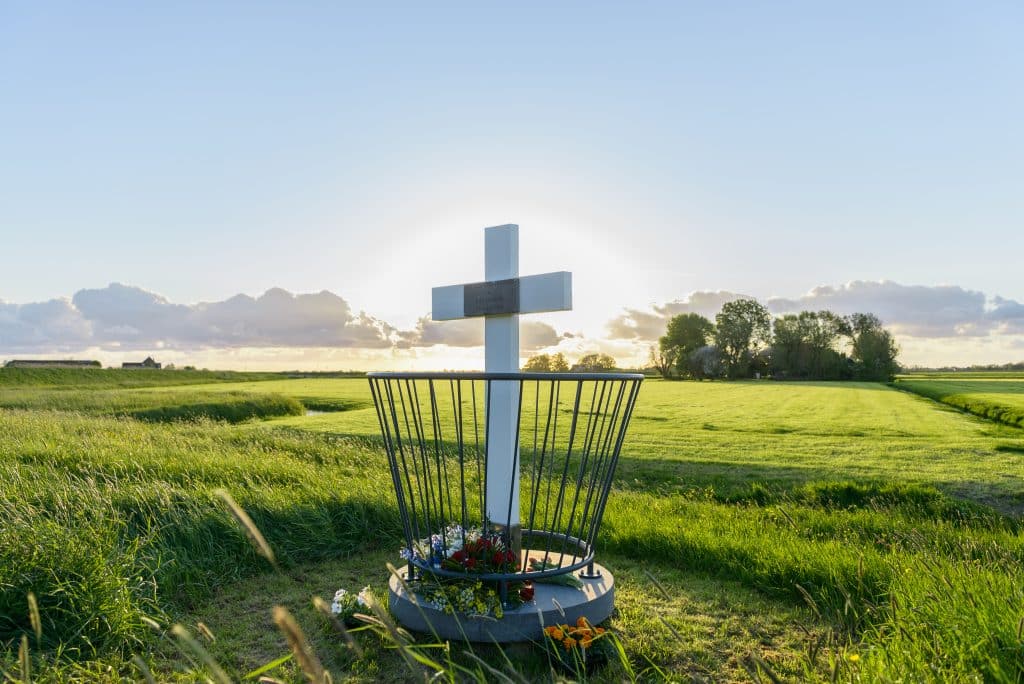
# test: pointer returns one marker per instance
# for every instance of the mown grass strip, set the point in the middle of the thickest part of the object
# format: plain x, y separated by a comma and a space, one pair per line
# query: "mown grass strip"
1001, 401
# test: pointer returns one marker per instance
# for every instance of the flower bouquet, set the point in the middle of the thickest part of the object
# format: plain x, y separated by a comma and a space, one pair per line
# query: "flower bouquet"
473, 552
579, 649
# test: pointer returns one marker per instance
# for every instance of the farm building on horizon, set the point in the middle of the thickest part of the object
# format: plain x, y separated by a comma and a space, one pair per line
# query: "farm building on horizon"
147, 363
52, 363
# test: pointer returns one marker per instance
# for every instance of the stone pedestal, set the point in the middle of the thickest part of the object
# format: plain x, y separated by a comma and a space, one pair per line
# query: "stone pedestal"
552, 604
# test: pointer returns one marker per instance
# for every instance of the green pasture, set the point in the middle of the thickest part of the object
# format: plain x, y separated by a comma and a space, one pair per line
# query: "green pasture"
108, 377
729, 438
818, 530
996, 396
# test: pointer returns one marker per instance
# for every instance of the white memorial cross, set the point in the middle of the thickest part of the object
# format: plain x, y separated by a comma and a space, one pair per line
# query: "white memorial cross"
500, 299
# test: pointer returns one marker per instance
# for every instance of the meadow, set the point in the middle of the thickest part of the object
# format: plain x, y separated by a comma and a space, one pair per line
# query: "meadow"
997, 396
812, 531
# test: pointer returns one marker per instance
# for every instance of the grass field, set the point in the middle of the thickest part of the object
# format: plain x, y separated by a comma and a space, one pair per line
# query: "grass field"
996, 396
846, 531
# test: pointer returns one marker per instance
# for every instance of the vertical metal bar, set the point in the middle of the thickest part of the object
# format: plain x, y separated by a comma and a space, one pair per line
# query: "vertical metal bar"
588, 440
535, 461
459, 433
487, 448
426, 483
389, 448
515, 469
553, 423
476, 451
626, 415
609, 421
557, 517
443, 489
389, 388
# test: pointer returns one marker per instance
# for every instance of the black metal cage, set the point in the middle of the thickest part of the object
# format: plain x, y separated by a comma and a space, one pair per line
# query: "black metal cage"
567, 431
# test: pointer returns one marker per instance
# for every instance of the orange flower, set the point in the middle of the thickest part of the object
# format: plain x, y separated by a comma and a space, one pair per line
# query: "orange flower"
582, 622
600, 630
569, 642
585, 642
556, 633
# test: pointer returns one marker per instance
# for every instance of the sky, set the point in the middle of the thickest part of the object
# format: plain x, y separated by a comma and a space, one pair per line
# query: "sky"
279, 185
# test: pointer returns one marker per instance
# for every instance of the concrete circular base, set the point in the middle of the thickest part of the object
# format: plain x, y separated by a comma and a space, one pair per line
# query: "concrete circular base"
551, 604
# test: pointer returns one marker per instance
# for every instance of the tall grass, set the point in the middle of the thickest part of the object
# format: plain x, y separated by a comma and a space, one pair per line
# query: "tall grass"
154, 407
109, 520
111, 377
920, 597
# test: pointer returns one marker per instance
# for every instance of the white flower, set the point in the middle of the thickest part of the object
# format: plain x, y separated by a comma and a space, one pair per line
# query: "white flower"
344, 602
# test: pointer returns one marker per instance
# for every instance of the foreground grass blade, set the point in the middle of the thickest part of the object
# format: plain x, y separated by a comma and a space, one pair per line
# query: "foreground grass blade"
187, 640
263, 669
253, 532
300, 646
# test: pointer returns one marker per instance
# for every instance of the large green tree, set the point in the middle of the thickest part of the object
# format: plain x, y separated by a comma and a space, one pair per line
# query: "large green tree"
594, 362
741, 327
685, 334
547, 363
538, 363
872, 347
659, 361
804, 345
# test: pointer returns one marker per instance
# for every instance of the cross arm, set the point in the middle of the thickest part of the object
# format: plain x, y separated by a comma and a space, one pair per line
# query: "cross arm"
529, 294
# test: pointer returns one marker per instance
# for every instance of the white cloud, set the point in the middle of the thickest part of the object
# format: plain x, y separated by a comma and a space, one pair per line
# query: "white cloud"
649, 325
125, 317
55, 324
914, 310
469, 332
1007, 315
934, 325
909, 310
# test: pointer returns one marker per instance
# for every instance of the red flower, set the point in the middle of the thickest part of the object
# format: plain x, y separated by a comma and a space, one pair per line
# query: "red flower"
459, 556
498, 558
510, 557
470, 562
526, 593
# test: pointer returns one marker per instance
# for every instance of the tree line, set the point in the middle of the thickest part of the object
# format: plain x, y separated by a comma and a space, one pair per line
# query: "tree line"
557, 363
744, 341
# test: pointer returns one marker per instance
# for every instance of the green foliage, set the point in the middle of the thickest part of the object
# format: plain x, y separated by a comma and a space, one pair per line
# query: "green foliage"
686, 333
591, 363
740, 328
658, 361
804, 347
547, 363
873, 348
706, 363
